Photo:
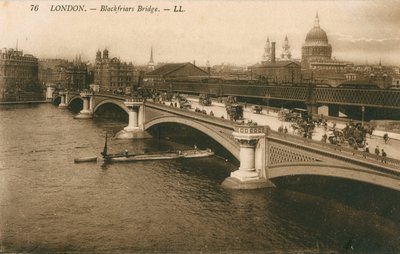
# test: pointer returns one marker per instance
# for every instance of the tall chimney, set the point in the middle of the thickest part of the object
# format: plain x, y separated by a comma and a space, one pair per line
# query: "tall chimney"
273, 52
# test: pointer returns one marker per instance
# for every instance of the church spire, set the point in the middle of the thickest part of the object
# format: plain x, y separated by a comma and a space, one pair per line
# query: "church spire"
316, 24
150, 65
267, 53
286, 55
151, 55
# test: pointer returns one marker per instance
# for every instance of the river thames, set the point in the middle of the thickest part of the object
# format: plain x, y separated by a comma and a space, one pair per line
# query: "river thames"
50, 204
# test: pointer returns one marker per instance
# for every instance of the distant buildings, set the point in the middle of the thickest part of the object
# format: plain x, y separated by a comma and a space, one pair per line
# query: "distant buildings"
112, 75
278, 71
176, 70
18, 72
318, 66
64, 74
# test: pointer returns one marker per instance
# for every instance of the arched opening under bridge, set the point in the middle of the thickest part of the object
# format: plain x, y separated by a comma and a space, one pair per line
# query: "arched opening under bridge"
191, 136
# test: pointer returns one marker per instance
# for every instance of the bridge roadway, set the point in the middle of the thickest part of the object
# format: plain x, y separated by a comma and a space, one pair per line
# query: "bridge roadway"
276, 154
380, 98
270, 118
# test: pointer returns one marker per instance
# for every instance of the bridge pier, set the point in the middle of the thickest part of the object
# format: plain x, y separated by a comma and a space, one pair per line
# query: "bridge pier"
312, 109
86, 112
333, 110
63, 103
135, 128
49, 92
248, 176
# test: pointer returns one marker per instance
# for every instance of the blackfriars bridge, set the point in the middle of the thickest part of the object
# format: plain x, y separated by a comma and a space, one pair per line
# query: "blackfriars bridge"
263, 154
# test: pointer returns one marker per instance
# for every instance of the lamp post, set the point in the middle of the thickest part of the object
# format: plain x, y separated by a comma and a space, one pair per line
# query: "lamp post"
362, 115
267, 96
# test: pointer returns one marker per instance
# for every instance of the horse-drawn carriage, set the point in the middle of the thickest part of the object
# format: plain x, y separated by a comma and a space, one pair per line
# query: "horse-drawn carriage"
353, 135
235, 112
293, 115
205, 100
303, 128
183, 102
256, 109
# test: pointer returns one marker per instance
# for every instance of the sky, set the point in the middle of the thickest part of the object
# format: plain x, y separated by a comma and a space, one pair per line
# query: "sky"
230, 32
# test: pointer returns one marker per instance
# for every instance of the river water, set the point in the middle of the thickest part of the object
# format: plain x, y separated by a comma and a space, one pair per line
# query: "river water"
50, 204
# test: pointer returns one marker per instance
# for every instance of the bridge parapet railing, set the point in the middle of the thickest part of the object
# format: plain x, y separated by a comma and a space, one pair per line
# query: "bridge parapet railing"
86, 93
350, 153
196, 115
114, 96
135, 100
249, 129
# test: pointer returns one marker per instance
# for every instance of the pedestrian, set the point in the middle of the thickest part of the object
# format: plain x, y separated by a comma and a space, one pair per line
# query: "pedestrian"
355, 147
386, 137
384, 155
377, 150
285, 130
366, 148
324, 138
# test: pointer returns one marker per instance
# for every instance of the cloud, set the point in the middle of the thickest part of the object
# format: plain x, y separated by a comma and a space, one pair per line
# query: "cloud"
351, 48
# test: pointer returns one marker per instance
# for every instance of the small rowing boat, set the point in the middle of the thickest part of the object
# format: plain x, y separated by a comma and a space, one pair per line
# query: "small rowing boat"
167, 155
140, 157
196, 153
85, 159
162, 155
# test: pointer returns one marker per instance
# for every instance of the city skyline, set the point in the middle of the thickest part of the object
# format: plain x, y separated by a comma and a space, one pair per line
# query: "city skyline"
231, 32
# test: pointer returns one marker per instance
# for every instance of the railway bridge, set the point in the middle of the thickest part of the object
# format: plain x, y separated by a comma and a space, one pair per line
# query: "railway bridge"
263, 154
373, 103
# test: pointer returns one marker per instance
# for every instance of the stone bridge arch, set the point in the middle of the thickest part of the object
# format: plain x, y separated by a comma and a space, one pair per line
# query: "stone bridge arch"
74, 97
75, 103
118, 103
343, 171
222, 138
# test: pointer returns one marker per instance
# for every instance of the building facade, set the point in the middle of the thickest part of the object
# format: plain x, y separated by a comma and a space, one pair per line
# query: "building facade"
64, 74
176, 71
112, 75
275, 71
18, 72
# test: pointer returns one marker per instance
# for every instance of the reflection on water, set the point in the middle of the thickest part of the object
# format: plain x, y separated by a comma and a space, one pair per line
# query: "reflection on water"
48, 203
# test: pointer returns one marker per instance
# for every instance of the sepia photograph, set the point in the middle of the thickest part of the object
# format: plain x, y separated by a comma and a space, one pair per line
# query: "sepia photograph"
191, 126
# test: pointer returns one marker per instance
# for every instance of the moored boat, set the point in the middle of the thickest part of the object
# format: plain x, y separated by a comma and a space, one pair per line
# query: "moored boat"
162, 155
167, 155
140, 157
86, 159
196, 153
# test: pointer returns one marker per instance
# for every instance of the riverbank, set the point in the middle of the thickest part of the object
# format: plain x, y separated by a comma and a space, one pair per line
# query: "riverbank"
22, 102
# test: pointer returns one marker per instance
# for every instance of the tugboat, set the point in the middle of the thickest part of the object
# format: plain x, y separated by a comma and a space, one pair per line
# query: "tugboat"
163, 155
